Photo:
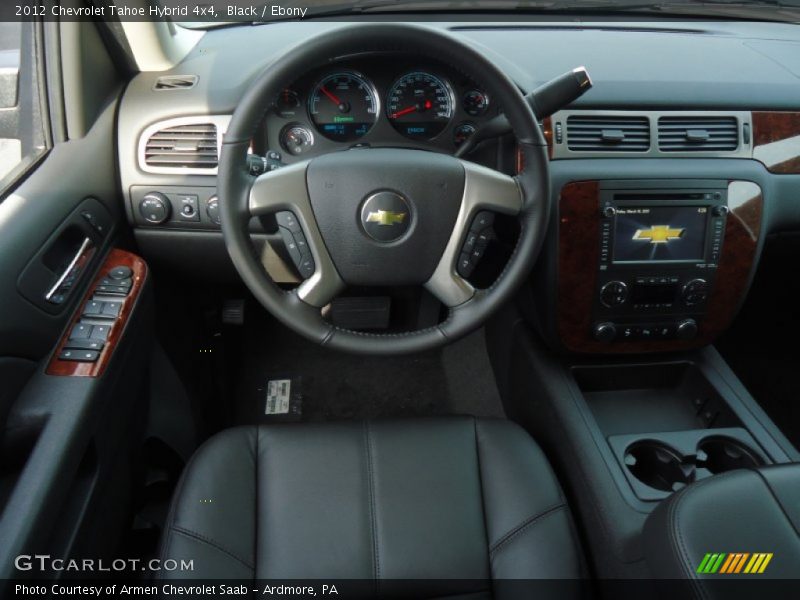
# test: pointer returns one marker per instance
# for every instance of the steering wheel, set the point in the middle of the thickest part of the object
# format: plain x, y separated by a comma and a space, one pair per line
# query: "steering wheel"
382, 216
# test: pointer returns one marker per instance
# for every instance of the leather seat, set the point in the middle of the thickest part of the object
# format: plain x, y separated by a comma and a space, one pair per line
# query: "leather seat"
471, 501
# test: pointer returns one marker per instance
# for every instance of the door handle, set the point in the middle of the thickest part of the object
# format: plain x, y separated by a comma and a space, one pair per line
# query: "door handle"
66, 280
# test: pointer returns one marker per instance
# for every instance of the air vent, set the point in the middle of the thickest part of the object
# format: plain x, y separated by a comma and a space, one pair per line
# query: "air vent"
175, 82
191, 146
599, 133
698, 134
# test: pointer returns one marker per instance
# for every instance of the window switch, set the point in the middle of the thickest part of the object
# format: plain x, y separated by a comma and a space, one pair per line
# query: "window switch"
111, 309
93, 308
120, 282
81, 331
84, 345
100, 332
79, 355
112, 289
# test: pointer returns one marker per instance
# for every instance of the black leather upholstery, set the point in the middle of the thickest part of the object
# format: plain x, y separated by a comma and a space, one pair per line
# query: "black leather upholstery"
743, 511
451, 498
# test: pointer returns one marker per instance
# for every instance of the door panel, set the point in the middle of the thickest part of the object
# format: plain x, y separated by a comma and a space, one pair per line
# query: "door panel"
67, 443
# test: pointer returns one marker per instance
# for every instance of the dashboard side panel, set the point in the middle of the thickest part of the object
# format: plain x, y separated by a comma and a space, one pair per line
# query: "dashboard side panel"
578, 255
578, 248
776, 141
742, 233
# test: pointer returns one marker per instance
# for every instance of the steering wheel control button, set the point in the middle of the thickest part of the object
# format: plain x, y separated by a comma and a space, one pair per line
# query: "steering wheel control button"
466, 265
469, 243
296, 244
120, 273
385, 216
306, 266
614, 293
478, 237
79, 355
154, 208
287, 219
482, 220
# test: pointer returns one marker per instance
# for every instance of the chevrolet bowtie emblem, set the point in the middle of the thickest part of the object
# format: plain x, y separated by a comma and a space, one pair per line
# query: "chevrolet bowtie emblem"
386, 217
659, 234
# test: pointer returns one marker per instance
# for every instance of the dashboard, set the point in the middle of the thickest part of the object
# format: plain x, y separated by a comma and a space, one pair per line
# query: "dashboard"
667, 177
377, 100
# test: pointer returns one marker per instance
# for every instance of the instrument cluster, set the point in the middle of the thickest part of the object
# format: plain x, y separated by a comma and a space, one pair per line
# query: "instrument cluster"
361, 102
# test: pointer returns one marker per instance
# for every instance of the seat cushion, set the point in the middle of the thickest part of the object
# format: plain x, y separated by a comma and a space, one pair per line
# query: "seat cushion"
464, 499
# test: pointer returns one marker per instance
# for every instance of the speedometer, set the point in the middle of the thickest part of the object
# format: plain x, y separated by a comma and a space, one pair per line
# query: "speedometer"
420, 105
343, 106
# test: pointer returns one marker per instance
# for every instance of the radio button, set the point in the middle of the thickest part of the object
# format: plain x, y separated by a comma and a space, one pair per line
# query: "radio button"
695, 292
614, 293
605, 332
686, 330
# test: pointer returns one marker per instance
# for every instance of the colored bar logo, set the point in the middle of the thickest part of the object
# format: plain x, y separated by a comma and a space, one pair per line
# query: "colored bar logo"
734, 563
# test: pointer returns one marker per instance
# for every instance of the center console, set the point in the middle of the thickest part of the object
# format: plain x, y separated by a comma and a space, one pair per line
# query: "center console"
659, 251
653, 265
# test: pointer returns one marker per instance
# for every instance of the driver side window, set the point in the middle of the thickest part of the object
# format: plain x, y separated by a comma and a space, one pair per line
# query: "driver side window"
23, 136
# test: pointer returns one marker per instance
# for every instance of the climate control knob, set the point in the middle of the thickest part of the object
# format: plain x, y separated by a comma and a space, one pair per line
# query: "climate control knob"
605, 332
695, 292
686, 329
614, 293
154, 208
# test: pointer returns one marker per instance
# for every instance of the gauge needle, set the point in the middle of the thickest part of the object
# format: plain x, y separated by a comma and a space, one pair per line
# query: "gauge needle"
427, 105
333, 98
405, 111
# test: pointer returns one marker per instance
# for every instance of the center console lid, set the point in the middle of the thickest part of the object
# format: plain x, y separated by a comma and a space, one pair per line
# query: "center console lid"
732, 529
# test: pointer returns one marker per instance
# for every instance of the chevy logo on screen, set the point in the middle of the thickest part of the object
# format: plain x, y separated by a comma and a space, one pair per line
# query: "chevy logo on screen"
658, 234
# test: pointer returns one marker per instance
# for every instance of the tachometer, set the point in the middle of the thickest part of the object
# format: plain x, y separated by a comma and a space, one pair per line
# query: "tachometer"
420, 105
343, 106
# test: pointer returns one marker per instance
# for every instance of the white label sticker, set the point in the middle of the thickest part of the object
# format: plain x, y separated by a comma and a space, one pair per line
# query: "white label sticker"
279, 391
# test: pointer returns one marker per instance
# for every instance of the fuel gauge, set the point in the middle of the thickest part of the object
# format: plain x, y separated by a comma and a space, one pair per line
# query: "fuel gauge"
296, 139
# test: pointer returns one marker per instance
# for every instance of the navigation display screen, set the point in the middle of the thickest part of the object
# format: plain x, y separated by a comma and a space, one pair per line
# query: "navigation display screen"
660, 233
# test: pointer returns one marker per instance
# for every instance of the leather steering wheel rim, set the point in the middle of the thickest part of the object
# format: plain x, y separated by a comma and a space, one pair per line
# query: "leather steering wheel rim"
236, 186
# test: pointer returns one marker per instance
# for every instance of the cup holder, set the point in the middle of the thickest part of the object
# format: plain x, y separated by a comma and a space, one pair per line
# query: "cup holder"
719, 454
658, 466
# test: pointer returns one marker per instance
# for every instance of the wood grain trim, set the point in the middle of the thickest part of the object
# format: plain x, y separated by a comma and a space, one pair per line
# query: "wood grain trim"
776, 141
115, 258
578, 256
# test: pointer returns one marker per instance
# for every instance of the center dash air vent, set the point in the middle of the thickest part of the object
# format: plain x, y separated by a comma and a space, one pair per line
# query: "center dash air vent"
175, 82
600, 133
192, 146
698, 134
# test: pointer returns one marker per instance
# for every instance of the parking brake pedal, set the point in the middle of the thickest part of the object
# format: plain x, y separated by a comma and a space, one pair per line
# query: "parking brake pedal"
233, 312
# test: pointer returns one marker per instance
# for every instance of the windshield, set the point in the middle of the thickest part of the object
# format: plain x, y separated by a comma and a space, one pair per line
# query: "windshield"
236, 11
